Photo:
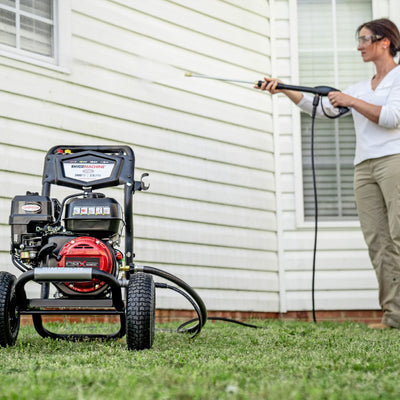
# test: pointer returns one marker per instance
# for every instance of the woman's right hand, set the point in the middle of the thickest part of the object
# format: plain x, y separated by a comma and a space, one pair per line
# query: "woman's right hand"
269, 85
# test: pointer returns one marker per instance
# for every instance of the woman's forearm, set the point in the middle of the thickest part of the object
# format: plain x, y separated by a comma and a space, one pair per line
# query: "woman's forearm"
370, 111
294, 96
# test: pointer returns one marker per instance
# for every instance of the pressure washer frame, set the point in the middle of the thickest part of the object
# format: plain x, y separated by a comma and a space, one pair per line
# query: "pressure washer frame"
19, 304
53, 174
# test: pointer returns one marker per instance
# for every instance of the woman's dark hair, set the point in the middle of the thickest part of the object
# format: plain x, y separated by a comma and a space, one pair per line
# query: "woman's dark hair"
386, 29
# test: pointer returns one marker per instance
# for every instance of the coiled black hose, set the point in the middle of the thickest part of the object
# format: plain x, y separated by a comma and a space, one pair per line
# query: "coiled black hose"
201, 310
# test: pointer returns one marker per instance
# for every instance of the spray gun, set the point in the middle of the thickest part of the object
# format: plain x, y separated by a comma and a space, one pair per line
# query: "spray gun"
317, 90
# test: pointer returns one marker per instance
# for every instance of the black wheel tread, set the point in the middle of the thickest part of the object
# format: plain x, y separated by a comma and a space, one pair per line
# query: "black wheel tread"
8, 330
140, 312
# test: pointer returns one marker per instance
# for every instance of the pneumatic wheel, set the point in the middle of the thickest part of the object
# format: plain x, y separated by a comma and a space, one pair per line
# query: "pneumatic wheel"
140, 311
9, 315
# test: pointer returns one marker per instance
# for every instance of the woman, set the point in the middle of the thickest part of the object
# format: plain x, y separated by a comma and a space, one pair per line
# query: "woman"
375, 107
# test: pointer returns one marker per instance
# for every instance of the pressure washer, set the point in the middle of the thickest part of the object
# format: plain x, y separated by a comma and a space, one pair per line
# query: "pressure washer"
81, 258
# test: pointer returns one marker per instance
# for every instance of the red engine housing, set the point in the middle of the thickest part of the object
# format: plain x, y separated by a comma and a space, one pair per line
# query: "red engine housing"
86, 252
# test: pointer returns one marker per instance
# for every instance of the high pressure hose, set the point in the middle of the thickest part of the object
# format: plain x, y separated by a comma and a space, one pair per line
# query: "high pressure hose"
197, 328
317, 91
314, 111
191, 301
201, 310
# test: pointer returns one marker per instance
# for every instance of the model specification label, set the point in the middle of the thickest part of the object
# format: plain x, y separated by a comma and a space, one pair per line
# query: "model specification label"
79, 262
88, 170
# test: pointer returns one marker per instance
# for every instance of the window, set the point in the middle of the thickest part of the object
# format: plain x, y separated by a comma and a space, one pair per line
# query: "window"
27, 28
328, 56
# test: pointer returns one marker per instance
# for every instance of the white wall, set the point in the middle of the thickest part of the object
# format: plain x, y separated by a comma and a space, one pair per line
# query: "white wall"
224, 210
210, 214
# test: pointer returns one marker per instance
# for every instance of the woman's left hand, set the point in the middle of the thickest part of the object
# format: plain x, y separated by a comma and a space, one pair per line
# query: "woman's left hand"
339, 99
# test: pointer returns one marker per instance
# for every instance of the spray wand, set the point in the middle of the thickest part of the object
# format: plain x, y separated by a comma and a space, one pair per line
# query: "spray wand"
191, 75
319, 90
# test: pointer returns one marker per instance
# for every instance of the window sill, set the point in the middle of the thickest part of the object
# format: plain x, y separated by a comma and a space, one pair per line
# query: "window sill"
34, 61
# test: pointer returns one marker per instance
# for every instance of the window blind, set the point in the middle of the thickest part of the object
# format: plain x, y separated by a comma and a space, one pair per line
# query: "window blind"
328, 56
28, 25
8, 35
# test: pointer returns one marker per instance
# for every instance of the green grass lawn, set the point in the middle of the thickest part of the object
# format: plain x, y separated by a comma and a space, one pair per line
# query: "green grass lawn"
287, 360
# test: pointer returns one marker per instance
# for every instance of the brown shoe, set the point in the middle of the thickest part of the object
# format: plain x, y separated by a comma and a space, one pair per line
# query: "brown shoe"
379, 325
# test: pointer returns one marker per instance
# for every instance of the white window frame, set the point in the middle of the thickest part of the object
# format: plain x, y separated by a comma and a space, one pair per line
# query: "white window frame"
62, 42
380, 9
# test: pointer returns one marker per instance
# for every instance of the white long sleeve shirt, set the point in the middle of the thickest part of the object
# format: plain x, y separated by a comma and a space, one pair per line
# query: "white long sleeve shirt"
372, 140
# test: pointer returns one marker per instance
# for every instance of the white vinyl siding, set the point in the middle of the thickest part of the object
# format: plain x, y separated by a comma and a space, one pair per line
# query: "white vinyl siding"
328, 56
225, 207
210, 214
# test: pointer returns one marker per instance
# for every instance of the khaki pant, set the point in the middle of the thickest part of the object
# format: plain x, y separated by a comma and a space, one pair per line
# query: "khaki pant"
377, 192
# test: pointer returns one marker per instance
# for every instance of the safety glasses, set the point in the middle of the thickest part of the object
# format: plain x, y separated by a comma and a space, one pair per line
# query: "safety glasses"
369, 39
